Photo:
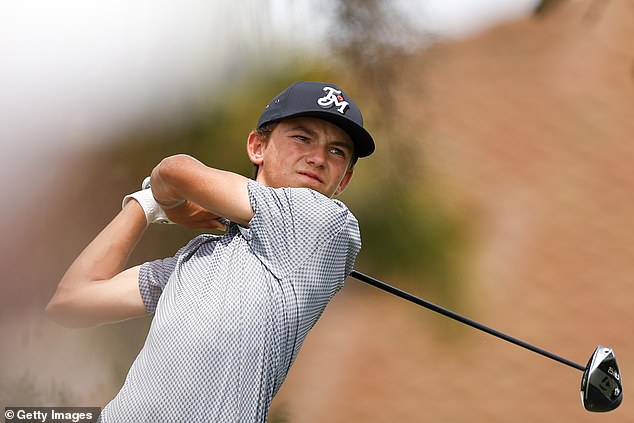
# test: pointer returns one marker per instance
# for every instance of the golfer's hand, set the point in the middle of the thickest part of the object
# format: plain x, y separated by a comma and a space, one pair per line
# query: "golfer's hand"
191, 215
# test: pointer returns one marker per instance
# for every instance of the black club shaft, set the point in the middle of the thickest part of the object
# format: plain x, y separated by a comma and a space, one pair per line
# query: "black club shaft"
455, 316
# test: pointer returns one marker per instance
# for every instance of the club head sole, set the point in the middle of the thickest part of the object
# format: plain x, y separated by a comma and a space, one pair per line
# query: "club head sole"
601, 384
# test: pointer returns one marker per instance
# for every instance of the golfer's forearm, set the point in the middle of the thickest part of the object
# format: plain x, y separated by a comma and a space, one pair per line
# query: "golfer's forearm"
108, 253
104, 258
223, 193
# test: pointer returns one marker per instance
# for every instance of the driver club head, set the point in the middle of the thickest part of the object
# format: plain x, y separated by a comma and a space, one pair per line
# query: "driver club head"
601, 385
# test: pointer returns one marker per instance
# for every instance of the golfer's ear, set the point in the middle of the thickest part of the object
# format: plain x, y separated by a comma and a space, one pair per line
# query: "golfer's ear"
255, 148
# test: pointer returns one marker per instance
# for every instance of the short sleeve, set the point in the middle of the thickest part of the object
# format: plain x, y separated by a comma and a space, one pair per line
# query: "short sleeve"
154, 275
290, 225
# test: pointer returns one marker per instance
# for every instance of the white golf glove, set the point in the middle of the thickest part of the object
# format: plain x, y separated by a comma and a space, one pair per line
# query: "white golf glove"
154, 213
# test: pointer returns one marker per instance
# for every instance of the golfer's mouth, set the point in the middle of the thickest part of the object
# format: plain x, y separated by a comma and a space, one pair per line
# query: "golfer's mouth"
311, 176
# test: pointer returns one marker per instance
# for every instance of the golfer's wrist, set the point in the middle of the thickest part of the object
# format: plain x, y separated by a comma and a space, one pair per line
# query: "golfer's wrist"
153, 211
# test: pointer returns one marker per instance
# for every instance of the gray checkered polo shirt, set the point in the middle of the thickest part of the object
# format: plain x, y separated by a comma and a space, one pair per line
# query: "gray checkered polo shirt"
231, 312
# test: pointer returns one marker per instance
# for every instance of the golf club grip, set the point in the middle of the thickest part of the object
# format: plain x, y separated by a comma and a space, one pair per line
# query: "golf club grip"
455, 316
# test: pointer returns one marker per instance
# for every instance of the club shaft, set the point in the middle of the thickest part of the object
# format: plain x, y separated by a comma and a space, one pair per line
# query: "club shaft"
455, 316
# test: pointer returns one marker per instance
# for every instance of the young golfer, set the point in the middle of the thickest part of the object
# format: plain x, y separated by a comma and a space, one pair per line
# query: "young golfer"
230, 312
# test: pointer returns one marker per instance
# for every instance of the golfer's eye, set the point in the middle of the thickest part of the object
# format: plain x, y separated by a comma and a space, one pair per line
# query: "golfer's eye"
338, 152
301, 138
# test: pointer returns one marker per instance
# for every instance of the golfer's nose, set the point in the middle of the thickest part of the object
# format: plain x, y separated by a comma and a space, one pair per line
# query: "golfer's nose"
317, 155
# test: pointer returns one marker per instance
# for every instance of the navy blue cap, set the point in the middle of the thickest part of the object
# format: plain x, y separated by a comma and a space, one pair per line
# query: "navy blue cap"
324, 101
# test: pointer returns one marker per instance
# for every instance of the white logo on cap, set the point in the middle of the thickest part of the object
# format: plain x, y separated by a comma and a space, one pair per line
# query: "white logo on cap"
333, 97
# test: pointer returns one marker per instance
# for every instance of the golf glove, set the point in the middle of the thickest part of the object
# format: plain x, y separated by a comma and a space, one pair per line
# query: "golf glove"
154, 213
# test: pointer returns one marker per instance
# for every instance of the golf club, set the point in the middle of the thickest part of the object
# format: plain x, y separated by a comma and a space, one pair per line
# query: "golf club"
601, 385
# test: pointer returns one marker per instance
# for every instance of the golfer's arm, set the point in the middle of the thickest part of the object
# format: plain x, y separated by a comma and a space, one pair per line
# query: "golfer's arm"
96, 289
223, 193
